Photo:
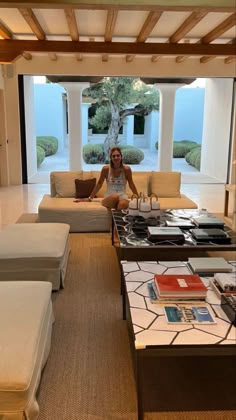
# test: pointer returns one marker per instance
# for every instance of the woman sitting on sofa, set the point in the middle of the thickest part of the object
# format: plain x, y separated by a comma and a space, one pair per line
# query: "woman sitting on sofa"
116, 175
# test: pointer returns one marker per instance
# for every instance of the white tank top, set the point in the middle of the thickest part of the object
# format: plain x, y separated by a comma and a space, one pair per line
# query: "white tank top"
116, 185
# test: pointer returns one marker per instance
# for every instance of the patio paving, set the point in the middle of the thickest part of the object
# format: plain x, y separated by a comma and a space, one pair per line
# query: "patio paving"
60, 162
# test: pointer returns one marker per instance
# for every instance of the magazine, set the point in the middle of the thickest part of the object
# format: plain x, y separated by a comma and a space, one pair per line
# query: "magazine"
189, 314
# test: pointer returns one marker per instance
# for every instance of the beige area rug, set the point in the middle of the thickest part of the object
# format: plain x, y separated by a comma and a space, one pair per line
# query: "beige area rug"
89, 373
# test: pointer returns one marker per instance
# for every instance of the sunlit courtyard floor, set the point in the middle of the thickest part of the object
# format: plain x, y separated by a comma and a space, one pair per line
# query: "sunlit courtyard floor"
60, 162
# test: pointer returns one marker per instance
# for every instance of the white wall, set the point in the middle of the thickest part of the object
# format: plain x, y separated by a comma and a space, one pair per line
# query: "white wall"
13, 128
30, 126
216, 128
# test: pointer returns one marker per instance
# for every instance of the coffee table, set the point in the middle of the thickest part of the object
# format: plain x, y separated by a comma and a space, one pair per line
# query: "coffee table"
130, 247
177, 367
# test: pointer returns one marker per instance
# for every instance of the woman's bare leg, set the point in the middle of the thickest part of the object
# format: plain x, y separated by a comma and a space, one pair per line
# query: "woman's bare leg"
123, 204
111, 201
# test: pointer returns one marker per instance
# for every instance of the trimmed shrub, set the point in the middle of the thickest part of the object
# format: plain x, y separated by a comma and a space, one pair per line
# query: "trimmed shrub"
132, 155
181, 148
40, 155
48, 143
93, 153
193, 157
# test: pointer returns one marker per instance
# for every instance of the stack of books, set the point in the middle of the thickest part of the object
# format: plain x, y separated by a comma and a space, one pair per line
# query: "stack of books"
208, 265
208, 222
179, 287
165, 233
224, 283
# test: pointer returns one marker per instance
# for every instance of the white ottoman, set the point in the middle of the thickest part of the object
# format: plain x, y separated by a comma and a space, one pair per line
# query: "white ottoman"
35, 251
26, 319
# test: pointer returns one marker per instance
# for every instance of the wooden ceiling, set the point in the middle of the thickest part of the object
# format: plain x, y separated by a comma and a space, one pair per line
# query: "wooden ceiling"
128, 28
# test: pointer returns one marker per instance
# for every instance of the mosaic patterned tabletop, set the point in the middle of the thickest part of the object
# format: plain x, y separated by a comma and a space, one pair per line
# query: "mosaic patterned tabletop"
148, 319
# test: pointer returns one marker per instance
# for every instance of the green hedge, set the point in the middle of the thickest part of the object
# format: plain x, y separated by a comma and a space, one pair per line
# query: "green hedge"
132, 156
193, 157
40, 155
48, 143
93, 153
181, 148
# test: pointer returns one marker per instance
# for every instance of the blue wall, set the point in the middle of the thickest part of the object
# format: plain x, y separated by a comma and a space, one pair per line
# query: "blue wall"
49, 119
188, 118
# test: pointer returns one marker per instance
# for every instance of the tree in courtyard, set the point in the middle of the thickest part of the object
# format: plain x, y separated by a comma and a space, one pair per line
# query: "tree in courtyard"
114, 95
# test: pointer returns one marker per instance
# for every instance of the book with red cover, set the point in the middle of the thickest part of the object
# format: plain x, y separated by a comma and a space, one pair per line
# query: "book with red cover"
180, 285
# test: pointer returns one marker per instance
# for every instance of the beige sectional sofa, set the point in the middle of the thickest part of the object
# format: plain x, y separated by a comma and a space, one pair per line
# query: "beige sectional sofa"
25, 340
60, 205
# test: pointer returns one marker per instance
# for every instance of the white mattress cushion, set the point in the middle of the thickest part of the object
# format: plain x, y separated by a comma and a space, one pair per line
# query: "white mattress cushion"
33, 240
25, 310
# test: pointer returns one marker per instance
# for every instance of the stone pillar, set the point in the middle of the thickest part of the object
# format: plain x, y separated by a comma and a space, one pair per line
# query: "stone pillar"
75, 121
151, 130
165, 141
85, 108
128, 128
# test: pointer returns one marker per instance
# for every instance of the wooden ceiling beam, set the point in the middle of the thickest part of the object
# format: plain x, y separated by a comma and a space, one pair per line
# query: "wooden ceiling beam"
110, 24
79, 57
17, 47
225, 7
129, 58
207, 58
8, 57
27, 56
228, 60
4, 32
187, 25
105, 57
33, 23
155, 58
148, 26
72, 24
52, 56
220, 29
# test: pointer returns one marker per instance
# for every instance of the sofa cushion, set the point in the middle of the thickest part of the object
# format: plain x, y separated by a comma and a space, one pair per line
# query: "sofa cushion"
64, 182
166, 184
25, 339
141, 180
101, 193
84, 187
82, 216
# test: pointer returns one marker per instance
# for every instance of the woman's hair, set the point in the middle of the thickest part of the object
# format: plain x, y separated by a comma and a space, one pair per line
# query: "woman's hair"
115, 149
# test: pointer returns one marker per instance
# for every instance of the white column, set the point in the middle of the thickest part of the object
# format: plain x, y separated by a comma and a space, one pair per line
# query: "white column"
151, 130
85, 108
165, 141
128, 127
75, 121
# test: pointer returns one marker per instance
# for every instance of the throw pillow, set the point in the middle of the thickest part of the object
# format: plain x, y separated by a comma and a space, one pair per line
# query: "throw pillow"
84, 187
